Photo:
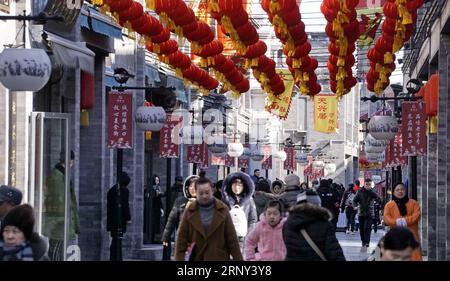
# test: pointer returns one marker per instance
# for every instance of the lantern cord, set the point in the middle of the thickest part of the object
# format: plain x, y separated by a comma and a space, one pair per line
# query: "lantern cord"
17, 35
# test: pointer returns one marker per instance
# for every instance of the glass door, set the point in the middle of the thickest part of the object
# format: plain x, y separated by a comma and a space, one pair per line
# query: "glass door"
50, 188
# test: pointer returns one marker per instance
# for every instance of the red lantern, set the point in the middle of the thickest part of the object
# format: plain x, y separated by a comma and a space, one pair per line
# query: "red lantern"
219, 60
120, 5
189, 28
267, 66
208, 38
242, 86
375, 56
248, 34
185, 19
234, 76
230, 6
179, 60
152, 27
134, 12
226, 67
179, 11
168, 47
256, 50
432, 95
311, 66
291, 17
212, 49
350, 82
390, 10
413, 5
162, 37
300, 51
315, 89
163, 6
200, 33
329, 14
239, 18
87, 93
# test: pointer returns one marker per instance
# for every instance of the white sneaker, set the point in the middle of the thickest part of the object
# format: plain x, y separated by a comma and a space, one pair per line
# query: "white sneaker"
347, 232
363, 249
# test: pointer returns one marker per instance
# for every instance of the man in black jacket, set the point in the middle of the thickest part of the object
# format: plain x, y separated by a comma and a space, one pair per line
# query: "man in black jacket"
362, 200
330, 200
112, 221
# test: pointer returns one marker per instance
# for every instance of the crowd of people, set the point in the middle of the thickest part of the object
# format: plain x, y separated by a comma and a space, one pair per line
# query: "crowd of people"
245, 217
285, 219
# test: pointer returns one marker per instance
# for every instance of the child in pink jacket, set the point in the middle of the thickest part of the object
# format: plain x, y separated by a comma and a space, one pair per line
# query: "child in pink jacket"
267, 236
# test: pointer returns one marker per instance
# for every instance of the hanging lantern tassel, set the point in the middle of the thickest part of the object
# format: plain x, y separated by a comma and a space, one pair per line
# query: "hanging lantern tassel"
341, 61
213, 5
404, 14
97, 2
388, 58
148, 135
151, 4
274, 7
179, 31
84, 118
178, 72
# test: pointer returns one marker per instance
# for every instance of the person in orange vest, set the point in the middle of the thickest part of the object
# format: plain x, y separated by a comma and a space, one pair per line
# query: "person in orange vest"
402, 211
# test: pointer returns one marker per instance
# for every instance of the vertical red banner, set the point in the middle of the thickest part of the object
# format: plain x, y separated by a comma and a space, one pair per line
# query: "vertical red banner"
414, 139
194, 153
217, 160
243, 163
204, 156
266, 163
289, 163
167, 147
229, 161
120, 120
397, 158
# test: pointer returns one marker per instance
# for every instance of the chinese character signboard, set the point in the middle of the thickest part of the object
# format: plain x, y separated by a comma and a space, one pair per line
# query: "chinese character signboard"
243, 163
194, 153
217, 160
168, 147
120, 120
229, 161
413, 129
325, 113
396, 148
266, 163
289, 163
279, 105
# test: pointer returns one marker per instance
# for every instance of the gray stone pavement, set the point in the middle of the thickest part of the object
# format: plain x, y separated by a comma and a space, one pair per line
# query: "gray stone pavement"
351, 244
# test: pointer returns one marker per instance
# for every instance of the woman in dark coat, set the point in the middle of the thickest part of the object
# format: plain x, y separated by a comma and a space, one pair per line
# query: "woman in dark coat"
308, 215
178, 208
262, 195
156, 195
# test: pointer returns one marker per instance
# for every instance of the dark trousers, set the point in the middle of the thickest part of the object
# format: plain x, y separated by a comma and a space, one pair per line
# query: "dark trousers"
114, 249
56, 249
365, 228
350, 214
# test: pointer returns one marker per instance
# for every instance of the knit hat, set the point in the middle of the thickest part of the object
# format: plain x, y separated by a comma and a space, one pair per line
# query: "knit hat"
292, 180
10, 194
309, 196
21, 217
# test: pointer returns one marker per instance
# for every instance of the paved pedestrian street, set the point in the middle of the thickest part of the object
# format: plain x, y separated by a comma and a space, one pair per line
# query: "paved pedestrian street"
351, 244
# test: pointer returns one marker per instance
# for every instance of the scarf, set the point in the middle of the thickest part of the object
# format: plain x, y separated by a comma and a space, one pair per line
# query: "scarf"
401, 204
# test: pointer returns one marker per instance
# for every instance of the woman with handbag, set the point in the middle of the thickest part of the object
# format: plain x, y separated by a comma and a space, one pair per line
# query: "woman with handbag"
308, 233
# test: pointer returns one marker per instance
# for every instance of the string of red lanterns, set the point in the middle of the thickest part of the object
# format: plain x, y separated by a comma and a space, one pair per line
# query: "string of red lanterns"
181, 19
234, 21
130, 14
397, 28
290, 30
343, 30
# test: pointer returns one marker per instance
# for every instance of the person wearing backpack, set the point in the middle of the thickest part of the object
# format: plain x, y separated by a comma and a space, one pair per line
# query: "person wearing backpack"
237, 191
347, 207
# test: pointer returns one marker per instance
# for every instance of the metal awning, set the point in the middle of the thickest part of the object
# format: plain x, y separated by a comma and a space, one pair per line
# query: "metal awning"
72, 54
92, 20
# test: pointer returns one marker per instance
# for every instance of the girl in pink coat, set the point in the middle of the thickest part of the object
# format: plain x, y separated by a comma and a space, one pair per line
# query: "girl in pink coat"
267, 236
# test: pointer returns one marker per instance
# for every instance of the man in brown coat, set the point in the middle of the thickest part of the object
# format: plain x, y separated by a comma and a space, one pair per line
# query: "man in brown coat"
207, 224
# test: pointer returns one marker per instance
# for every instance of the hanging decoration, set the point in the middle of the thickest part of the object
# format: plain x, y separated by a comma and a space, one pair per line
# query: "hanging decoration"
131, 15
289, 28
343, 30
234, 21
180, 19
397, 28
